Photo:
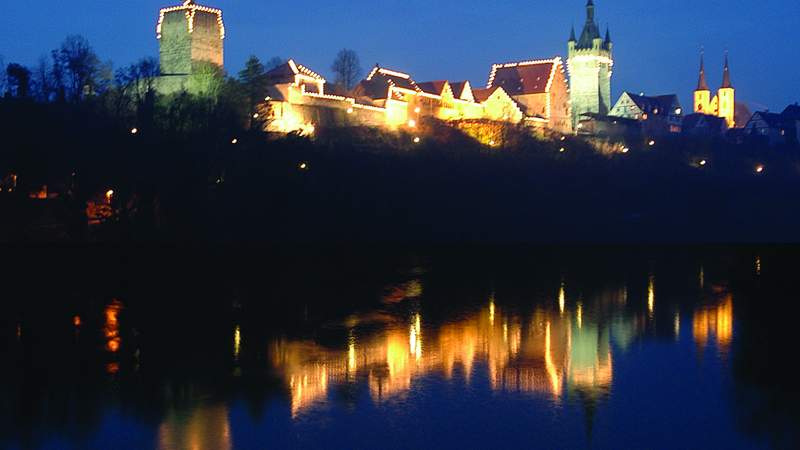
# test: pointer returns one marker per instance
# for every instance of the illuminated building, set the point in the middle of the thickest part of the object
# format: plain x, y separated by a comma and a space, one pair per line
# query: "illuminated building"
721, 105
299, 99
590, 63
657, 115
540, 89
190, 38
775, 128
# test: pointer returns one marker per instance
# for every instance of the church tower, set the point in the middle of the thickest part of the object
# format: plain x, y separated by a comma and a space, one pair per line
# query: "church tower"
190, 38
727, 97
702, 95
590, 65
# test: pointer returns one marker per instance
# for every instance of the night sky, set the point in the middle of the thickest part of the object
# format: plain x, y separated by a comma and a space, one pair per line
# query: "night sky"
657, 42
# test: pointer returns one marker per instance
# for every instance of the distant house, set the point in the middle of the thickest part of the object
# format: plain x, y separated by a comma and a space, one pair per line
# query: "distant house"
703, 125
540, 88
658, 115
499, 106
774, 128
616, 128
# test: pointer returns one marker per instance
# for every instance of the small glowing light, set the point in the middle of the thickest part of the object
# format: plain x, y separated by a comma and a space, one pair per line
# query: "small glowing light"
267, 98
134, 130
416, 140
234, 141
76, 321
651, 143
562, 150
412, 123
703, 162
109, 195
349, 110
417, 110
760, 168
678, 111
302, 166
491, 143
255, 116
625, 149
563, 138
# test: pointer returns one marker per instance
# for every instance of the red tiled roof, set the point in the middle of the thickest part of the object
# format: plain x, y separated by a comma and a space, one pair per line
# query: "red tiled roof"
481, 95
523, 78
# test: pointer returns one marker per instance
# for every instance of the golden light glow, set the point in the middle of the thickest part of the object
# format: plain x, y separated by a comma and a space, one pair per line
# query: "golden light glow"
760, 168
303, 166
109, 195
758, 265
562, 150
579, 315
651, 295
703, 162
205, 427
533, 354
412, 123
715, 322
562, 299
416, 140
237, 342
234, 141
111, 326
76, 321
134, 130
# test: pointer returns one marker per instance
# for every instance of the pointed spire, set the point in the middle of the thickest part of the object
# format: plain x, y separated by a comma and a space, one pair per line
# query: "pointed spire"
608, 35
572, 34
726, 74
590, 11
702, 85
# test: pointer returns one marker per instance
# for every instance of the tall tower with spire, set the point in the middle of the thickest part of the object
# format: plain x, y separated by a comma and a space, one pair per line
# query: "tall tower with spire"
590, 63
702, 95
727, 97
721, 105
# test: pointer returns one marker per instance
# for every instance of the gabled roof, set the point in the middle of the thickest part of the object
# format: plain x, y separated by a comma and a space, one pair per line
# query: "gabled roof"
702, 121
462, 90
527, 77
773, 120
655, 105
481, 95
397, 79
792, 112
433, 87
287, 72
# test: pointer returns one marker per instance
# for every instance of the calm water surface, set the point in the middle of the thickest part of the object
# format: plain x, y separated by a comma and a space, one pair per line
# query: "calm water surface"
536, 348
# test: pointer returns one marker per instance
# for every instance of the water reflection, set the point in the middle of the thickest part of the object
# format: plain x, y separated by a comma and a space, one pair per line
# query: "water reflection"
714, 323
205, 427
543, 351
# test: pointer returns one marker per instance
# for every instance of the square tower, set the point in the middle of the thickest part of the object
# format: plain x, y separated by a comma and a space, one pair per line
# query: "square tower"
189, 36
590, 64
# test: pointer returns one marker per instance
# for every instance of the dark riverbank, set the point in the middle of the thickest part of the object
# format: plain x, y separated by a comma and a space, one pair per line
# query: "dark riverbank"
361, 186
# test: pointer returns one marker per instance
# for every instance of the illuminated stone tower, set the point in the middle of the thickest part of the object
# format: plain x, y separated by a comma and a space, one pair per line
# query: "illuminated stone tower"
590, 65
702, 95
727, 97
190, 40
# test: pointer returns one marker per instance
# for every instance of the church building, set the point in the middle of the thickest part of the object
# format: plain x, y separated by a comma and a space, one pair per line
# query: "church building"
590, 64
721, 105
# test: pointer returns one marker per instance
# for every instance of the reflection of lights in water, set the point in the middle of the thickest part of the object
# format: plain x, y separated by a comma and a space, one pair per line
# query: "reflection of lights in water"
702, 277
562, 299
677, 325
716, 321
76, 321
536, 360
491, 311
19, 331
758, 265
237, 342
651, 295
111, 326
206, 427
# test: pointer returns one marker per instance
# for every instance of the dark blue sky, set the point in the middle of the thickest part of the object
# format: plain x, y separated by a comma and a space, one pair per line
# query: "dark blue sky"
656, 41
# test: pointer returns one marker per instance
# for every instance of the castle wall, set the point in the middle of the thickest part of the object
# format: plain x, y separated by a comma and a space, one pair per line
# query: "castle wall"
175, 45
206, 41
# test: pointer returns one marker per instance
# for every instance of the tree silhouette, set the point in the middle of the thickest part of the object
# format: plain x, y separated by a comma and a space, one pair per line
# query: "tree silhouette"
80, 66
19, 80
347, 69
253, 83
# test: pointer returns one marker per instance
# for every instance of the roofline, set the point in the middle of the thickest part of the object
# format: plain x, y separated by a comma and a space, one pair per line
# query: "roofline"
555, 61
